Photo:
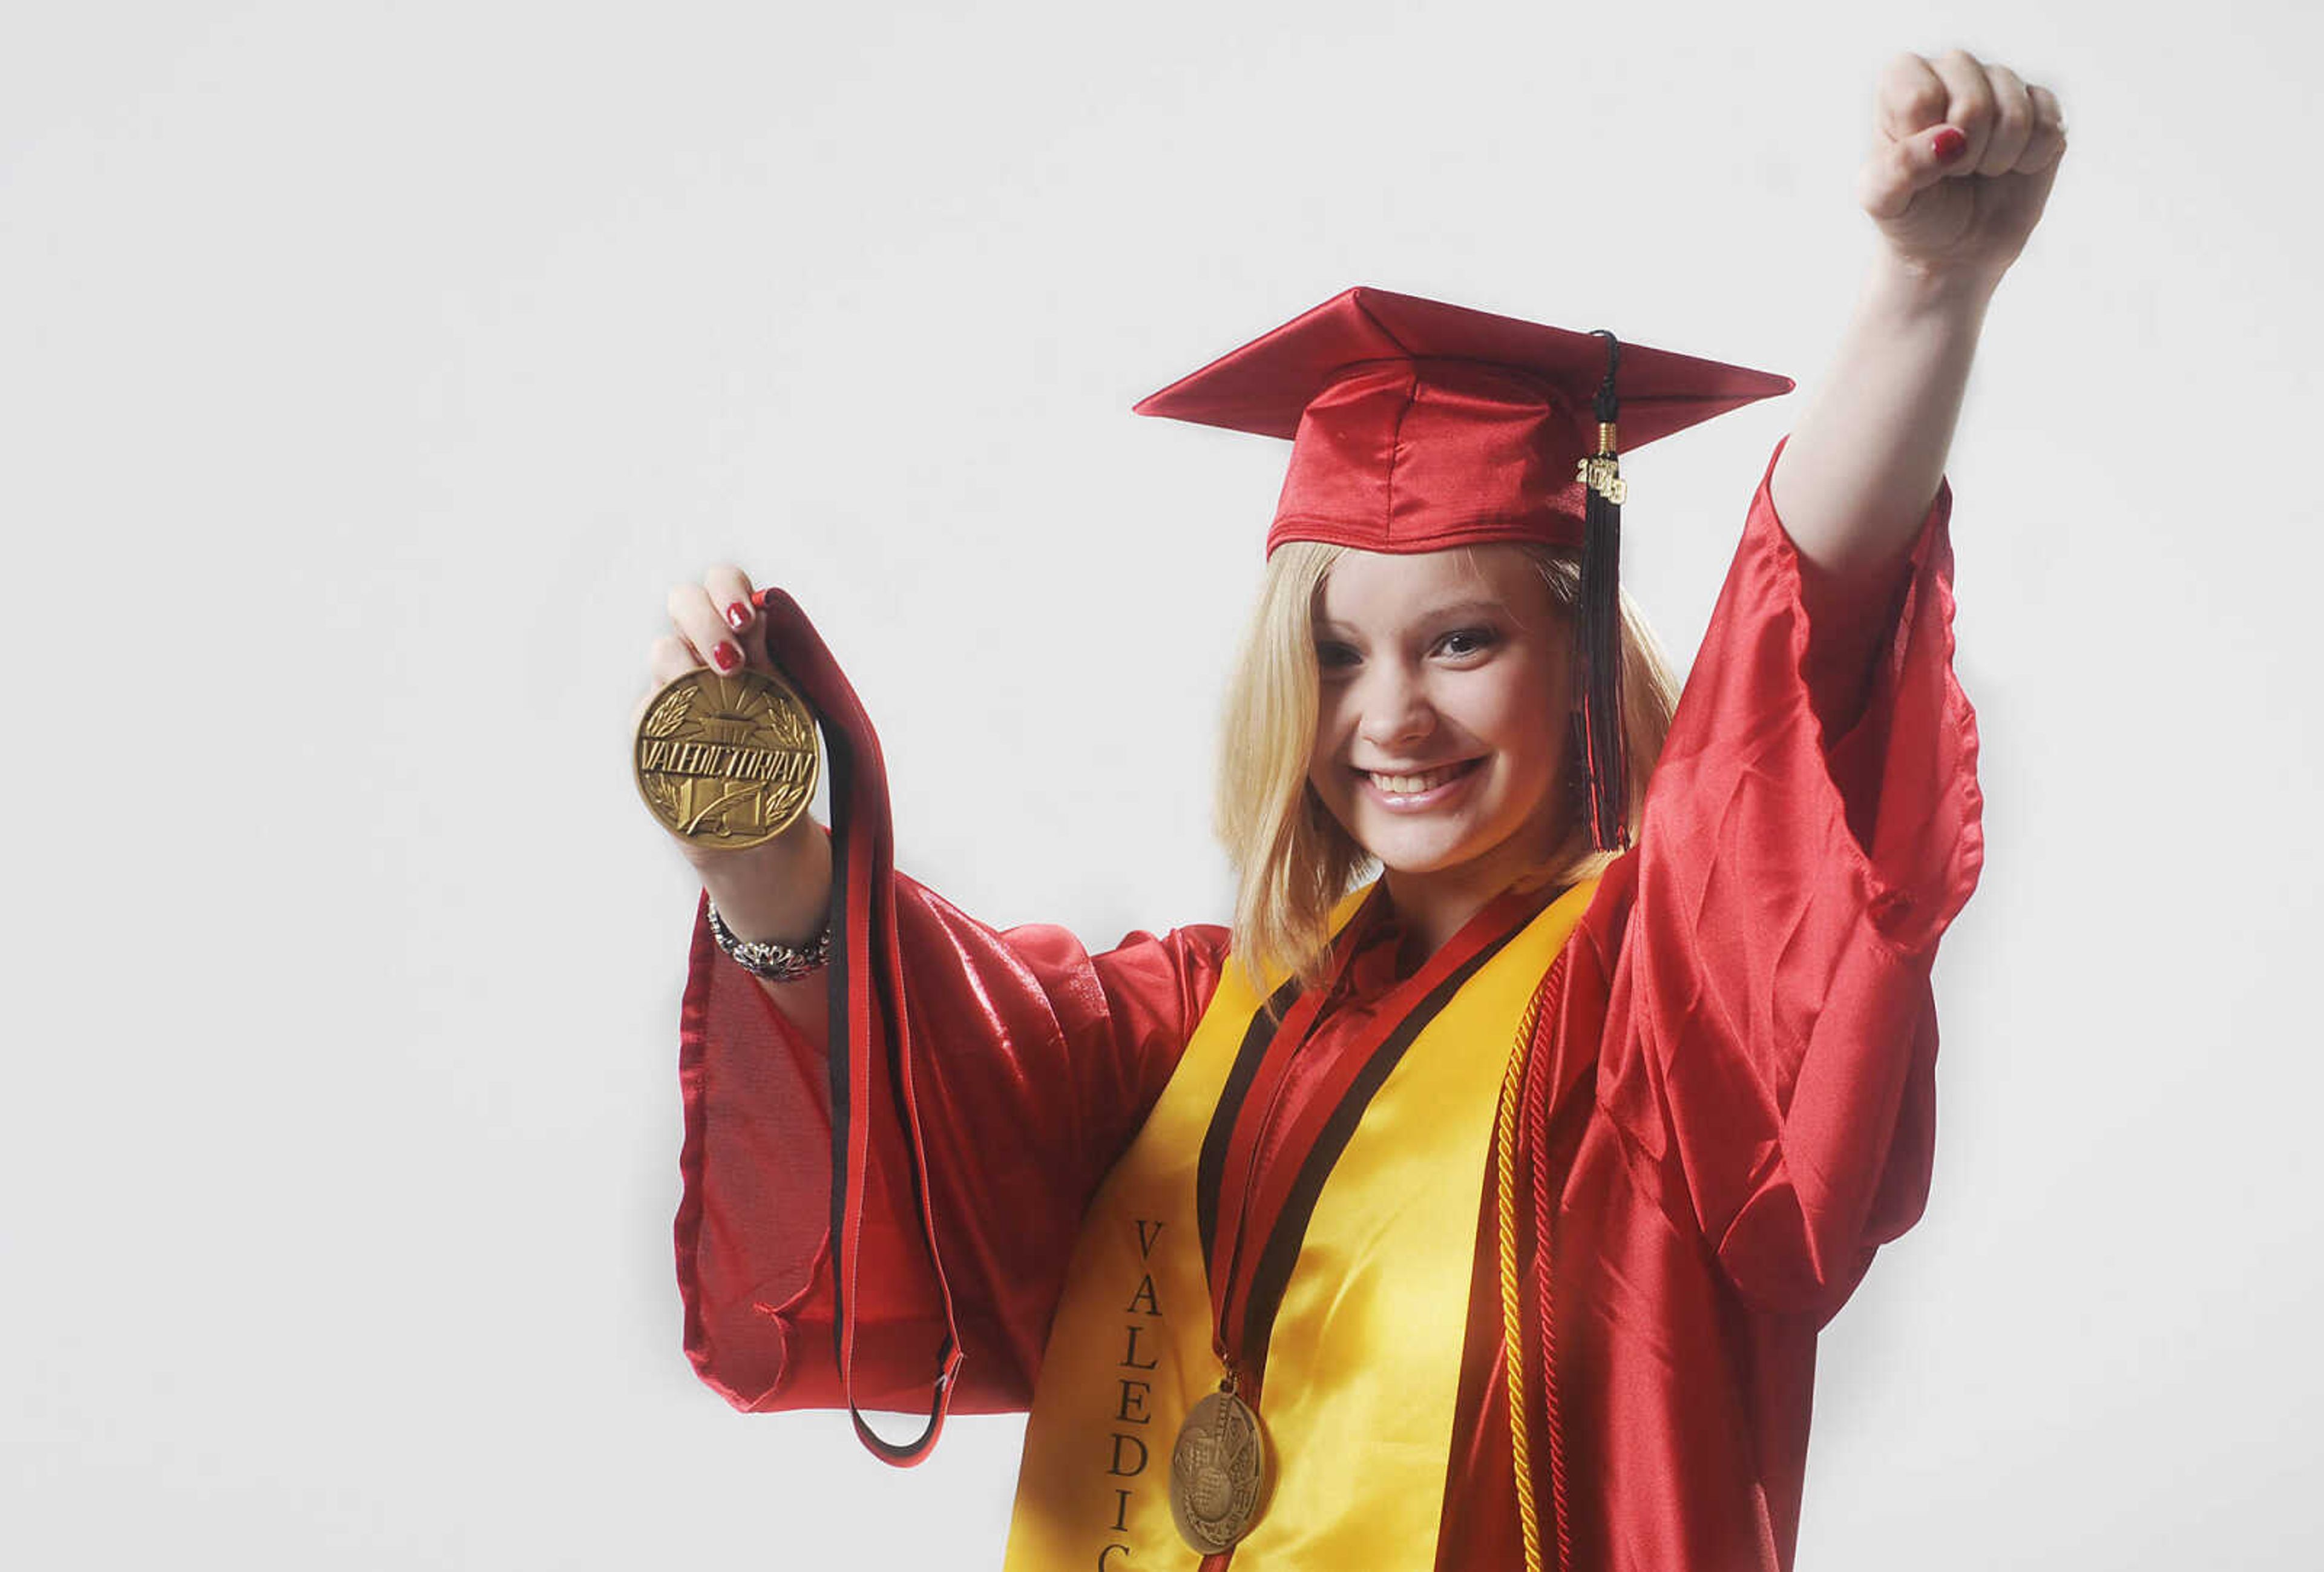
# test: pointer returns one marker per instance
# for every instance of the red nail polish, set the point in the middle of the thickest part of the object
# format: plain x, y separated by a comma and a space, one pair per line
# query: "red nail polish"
1950, 143
738, 617
725, 656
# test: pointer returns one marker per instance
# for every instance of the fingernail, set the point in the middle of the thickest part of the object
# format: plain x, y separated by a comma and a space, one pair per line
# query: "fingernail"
738, 617
1949, 143
725, 656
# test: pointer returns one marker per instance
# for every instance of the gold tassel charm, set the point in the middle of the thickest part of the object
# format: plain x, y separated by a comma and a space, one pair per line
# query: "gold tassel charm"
1603, 474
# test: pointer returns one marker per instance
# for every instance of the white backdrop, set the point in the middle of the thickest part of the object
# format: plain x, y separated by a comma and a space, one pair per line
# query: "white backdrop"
368, 371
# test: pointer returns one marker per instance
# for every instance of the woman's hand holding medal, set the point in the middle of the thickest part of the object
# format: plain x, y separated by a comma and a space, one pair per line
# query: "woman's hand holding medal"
724, 756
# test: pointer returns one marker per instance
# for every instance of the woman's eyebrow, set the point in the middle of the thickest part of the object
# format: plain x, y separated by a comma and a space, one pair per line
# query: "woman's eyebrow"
1445, 613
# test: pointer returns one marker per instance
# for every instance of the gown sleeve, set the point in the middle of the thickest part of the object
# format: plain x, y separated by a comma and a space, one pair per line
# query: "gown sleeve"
1772, 1035
1034, 1063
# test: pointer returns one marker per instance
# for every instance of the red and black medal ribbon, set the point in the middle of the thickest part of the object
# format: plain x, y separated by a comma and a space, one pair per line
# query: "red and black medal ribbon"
867, 1002
1268, 1208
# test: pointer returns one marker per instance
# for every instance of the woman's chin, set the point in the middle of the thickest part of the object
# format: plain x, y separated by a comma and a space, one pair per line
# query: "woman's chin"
1460, 851
1413, 856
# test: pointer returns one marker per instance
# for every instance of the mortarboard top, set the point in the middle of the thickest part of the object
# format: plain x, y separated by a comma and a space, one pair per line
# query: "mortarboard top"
1418, 425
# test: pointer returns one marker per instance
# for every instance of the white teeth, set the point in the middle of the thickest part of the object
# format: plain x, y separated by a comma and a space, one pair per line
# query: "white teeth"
1413, 785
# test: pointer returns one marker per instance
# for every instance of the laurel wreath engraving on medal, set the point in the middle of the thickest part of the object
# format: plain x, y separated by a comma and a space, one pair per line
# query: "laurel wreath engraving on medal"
1217, 1471
670, 714
727, 762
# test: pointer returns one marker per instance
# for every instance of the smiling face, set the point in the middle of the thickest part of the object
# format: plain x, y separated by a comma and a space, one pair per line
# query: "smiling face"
1441, 728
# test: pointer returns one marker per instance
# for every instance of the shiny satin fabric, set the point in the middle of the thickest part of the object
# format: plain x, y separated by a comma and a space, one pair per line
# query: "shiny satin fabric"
1363, 1368
1421, 454
865, 989
1417, 424
1736, 1080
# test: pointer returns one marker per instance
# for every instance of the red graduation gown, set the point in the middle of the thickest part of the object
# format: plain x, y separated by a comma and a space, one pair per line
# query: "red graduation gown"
1736, 1078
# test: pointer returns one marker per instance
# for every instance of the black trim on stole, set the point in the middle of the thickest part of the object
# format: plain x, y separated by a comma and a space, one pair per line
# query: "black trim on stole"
1281, 1254
1210, 1172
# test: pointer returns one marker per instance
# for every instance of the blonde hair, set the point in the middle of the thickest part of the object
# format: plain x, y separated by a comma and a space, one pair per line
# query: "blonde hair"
1292, 861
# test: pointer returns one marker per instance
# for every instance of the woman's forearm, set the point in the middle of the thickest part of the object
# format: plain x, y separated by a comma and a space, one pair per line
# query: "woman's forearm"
1855, 478
1964, 153
1863, 464
781, 891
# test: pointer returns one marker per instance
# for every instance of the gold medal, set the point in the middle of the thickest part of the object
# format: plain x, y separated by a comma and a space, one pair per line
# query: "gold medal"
727, 762
1218, 1472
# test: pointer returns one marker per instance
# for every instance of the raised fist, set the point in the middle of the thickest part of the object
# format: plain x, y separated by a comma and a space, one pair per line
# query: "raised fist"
1962, 160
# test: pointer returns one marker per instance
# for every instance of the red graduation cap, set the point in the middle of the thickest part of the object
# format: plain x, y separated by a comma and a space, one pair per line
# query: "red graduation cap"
1416, 426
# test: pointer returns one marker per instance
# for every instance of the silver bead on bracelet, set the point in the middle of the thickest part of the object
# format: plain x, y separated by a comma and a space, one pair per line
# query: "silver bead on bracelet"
763, 957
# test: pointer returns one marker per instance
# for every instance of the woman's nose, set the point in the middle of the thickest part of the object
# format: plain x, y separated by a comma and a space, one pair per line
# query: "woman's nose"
1396, 709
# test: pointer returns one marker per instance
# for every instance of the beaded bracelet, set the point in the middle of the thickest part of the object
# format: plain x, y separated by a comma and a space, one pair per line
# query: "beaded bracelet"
763, 957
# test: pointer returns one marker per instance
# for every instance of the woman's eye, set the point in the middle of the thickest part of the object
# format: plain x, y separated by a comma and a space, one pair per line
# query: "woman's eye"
1332, 656
1466, 642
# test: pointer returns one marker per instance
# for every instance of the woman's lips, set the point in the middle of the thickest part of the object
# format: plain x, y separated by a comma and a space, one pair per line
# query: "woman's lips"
1414, 793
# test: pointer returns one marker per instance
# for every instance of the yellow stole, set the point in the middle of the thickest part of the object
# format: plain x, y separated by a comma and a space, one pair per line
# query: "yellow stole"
1363, 1369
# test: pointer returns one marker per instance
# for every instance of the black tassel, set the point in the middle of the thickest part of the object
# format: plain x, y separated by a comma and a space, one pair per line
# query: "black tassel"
1599, 626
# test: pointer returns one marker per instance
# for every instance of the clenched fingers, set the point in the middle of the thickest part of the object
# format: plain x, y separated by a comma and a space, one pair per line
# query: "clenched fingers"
715, 620
668, 658
729, 588
2049, 139
2013, 126
2013, 122
1910, 99
1969, 101
1954, 115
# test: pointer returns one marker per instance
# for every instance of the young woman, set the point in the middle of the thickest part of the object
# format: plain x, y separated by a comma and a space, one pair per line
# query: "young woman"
1483, 1215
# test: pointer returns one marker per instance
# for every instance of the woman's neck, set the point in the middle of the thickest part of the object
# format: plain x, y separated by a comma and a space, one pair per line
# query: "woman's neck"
1431, 907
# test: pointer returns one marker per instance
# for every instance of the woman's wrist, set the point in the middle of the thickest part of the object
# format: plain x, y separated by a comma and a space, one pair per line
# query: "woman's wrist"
778, 892
1912, 289
775, 961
